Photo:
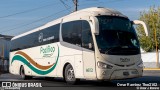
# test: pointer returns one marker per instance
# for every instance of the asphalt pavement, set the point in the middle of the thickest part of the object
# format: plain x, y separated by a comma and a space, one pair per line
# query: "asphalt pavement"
149, 77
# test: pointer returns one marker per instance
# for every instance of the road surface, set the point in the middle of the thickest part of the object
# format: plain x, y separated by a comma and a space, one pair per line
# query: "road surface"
149, 77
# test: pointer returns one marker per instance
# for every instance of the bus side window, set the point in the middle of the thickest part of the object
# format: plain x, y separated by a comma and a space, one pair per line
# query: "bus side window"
71, 32
32, 40
87, 41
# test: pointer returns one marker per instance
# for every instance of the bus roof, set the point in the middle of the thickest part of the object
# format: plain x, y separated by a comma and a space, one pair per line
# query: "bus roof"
94, 11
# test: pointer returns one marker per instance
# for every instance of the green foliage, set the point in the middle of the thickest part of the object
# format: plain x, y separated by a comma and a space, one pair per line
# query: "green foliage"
146, 43
152, 20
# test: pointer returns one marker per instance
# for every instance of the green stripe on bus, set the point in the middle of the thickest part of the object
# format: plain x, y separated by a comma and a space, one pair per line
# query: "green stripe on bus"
22, 59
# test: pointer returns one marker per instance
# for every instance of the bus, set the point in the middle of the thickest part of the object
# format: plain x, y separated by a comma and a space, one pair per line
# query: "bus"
93, 44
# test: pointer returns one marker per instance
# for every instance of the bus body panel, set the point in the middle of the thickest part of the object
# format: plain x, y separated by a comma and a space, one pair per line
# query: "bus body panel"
80, 59
15, 69
89, 64
118, 70
36, 59
89, 55
71, 54
49, 60
125, 59
18, 65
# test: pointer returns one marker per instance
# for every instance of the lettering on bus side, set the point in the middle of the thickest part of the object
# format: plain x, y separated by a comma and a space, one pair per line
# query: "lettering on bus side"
47, 51
89, 70
42, 39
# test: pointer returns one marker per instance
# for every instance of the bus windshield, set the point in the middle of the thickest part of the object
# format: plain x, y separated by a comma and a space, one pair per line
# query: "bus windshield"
117, 36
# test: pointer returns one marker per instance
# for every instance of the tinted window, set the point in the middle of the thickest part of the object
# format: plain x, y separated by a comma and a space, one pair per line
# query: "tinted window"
117, 36
87, 41
71, 32
45, 36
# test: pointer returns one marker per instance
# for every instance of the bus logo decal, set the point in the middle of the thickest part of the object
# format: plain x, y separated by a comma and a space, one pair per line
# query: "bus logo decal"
39, 69
47, 51
42, 39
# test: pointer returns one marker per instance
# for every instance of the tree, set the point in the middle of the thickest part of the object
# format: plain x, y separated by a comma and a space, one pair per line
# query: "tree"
152, 20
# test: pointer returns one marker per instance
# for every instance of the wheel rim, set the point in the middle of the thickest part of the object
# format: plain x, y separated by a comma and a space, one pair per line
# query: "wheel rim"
70, 74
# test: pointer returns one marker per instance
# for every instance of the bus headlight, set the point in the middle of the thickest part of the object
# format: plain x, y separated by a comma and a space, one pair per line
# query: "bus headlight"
140, 65
104, 65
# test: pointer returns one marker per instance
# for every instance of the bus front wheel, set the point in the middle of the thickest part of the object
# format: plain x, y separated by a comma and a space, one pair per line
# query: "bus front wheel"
69, 75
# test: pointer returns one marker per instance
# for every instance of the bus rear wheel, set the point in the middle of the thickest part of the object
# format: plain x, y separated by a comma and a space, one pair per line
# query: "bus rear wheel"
69, 75
22, 73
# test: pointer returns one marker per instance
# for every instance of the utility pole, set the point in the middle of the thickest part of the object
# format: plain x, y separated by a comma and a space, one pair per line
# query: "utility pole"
75, 5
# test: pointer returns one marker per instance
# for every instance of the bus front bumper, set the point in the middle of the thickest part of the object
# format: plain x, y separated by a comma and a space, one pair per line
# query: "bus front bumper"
119, 74
123, 74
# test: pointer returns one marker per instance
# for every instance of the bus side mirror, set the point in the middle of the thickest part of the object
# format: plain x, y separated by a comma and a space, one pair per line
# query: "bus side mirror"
138, 22
95, 24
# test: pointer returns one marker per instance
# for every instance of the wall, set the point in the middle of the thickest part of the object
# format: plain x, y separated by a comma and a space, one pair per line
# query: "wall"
149, 59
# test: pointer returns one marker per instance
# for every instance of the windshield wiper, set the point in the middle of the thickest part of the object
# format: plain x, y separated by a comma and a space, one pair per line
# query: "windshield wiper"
111, 48
119, 48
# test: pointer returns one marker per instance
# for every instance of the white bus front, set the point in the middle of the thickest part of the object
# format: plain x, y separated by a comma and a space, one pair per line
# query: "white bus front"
117, 49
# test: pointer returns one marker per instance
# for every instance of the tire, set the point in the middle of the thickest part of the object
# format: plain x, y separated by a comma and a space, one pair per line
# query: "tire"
22, 73
69, 75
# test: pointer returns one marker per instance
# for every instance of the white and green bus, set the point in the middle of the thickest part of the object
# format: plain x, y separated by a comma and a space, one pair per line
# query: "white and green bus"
93, 44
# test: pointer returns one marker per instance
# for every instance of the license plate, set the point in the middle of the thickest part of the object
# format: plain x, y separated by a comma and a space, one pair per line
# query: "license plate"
125, 73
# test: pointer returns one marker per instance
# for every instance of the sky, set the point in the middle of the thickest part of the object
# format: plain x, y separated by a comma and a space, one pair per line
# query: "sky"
19, 16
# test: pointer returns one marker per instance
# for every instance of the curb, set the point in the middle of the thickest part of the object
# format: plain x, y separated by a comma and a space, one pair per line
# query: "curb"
152, 69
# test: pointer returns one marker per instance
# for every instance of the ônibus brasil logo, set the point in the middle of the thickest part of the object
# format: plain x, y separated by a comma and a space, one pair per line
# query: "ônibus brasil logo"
47, 51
